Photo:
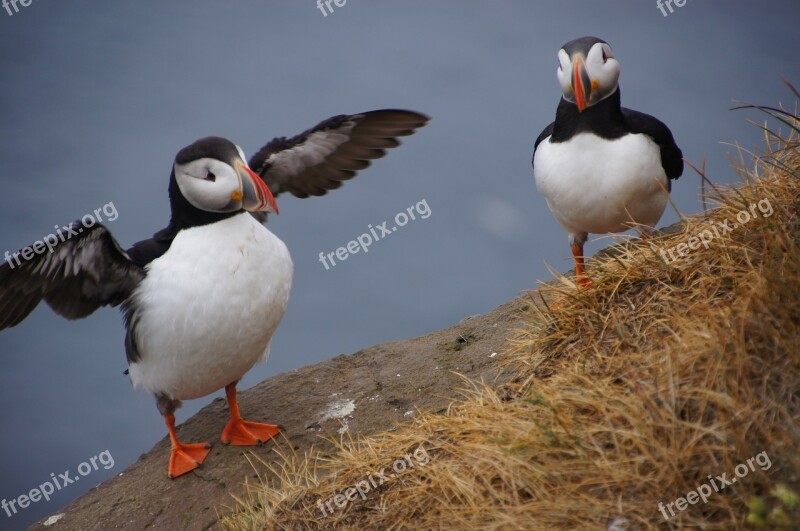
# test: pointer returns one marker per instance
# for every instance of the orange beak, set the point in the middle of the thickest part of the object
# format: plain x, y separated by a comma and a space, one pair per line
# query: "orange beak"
255, 195
581, 84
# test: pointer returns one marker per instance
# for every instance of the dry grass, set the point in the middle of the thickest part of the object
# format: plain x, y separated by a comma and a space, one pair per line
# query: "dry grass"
630, 393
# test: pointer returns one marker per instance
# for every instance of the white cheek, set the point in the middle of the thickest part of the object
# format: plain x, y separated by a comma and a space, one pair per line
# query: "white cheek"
607, 76
207, 195
564, 72
563, 80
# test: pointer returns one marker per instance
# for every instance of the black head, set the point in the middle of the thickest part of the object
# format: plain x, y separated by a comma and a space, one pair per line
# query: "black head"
587, 71
211, 181
214, 147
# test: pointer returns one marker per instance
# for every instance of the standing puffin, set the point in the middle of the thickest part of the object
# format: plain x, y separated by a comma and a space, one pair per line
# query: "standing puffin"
601, 167
202, 298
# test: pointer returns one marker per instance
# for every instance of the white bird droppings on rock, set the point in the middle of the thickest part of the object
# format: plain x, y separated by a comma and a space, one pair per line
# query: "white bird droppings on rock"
53, 519
338, 409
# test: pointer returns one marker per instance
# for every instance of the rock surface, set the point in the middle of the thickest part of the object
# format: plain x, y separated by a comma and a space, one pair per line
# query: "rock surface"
366, 392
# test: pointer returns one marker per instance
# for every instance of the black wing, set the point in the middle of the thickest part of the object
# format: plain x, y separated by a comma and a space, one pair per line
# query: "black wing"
671, 155
143, 252
319, 159
548, 131
81, 274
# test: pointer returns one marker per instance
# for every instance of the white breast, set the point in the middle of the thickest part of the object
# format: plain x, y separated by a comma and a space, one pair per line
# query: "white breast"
208, 307
600, 186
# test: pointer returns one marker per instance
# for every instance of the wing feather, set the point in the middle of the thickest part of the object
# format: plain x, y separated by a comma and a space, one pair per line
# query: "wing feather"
81, 274
319, 159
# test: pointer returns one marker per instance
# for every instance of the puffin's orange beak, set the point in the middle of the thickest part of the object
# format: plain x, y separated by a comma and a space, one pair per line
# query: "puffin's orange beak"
255, 195
581, 83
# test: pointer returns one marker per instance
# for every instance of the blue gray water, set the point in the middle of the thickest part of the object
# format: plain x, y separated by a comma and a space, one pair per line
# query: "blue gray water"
97, 97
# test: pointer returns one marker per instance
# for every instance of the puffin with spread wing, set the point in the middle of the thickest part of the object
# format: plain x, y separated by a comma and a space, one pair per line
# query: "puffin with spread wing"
202, 298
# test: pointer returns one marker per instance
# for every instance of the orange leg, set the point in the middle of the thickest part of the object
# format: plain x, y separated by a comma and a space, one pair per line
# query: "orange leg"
184, 457
580, 273
240, 432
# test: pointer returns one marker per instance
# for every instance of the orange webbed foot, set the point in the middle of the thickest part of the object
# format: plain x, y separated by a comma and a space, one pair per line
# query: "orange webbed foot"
183, 458
186, 457
241, 432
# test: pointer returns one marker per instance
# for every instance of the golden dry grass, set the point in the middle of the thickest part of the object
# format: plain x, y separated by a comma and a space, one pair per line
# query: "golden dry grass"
630, 393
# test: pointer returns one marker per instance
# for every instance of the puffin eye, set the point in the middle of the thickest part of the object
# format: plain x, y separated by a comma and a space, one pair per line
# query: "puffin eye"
211, 177
605, 56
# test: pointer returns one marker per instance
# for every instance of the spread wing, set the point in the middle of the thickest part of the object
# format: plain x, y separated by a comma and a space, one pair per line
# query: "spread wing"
81, 273
331, 152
